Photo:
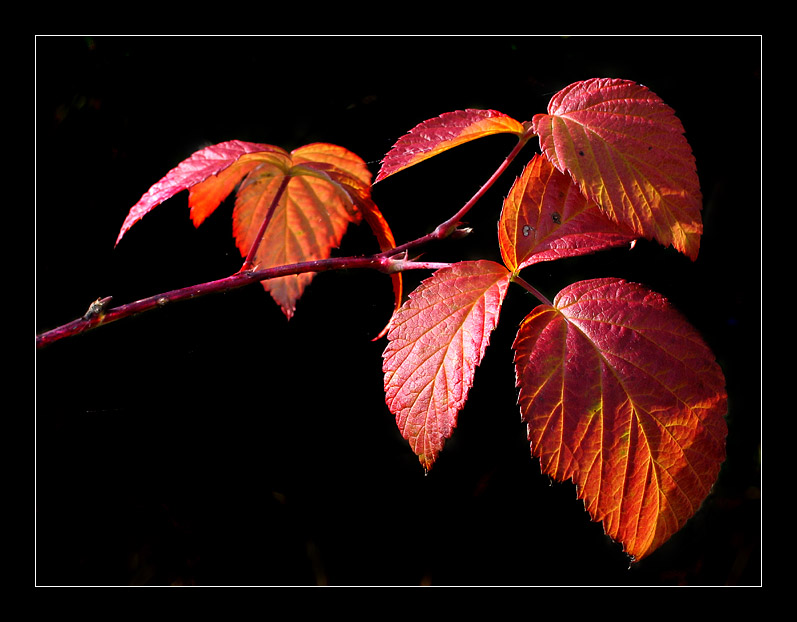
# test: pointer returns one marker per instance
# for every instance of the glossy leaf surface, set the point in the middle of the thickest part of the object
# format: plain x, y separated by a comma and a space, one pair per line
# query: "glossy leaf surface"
435, 341
626, 150
622, 395
437, 135
546, 217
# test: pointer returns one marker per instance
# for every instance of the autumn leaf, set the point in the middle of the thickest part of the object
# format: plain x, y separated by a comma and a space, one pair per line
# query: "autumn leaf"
621, 394
626, 150
435, 342
308, 222
545, 217
327, 188
195, 169
439, 134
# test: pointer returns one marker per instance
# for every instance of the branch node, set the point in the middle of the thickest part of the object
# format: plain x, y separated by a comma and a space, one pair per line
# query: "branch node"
97, 308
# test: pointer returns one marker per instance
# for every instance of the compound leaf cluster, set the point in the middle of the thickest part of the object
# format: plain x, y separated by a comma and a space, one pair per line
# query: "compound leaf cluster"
618, 392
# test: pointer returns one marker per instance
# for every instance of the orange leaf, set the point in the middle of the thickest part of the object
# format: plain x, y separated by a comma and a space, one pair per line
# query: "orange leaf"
449, 130
622, 395
626, 150
435, 342
337, 158
328, 188
546, 217
306, 225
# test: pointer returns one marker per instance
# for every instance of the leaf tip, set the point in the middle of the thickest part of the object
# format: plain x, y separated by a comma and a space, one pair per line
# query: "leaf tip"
427, 462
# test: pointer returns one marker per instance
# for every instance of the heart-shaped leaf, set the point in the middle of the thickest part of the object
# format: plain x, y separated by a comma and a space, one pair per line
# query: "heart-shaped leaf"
546, 217
626, 150
435, 341
449, 130
620, 394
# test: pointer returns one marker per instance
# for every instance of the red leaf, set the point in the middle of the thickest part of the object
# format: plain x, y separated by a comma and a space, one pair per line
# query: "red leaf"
626, 150
436, 135
435, 342
622, 395
195, 169
546, 217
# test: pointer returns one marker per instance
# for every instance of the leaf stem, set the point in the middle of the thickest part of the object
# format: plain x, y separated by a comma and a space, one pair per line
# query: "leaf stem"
250, 258
451, 225
400, 265
533, 290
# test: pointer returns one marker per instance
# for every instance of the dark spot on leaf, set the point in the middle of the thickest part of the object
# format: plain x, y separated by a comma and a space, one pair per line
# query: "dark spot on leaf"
581, 153
556, 218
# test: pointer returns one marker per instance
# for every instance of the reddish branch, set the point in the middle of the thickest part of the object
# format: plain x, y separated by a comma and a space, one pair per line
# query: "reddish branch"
394, 260
384, 262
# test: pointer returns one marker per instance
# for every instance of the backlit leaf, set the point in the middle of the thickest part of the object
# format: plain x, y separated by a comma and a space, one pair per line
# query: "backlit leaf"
546, 217
328, 188
435, 342
197, 168
449, 130
621, 394
626, 150
336, 158
308, 222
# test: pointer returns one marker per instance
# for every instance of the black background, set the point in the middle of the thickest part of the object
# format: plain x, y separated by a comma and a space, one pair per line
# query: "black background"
215, 443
